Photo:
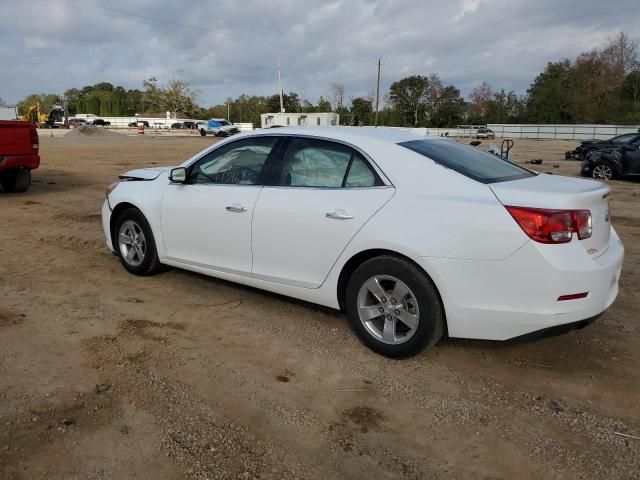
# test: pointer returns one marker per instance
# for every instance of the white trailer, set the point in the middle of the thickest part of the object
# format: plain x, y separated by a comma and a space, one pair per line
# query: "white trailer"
8, 113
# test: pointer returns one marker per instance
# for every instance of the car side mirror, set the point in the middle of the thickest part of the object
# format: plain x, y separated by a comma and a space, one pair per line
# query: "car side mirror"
178, 175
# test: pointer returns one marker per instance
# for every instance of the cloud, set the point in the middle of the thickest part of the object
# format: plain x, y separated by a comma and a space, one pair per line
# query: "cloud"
227, 47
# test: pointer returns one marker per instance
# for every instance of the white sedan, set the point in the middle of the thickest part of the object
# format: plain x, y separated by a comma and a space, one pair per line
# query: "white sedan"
412, 237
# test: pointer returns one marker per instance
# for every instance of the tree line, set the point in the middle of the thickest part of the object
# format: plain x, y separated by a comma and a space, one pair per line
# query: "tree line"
599, 86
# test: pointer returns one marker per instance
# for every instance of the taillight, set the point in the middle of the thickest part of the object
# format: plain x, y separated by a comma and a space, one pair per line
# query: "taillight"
35, 143
552, 226
582, 223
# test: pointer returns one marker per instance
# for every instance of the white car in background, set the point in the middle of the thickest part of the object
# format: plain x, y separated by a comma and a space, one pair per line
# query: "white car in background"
218, 127
411, 237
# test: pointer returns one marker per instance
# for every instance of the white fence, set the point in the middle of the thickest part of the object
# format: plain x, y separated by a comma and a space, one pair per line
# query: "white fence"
561, 132
534, 131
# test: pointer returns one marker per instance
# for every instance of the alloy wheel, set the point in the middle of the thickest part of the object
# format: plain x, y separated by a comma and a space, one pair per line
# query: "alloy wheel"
132, 243
602, 171
388, 309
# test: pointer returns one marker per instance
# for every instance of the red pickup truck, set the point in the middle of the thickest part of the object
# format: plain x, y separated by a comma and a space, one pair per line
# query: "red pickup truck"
19, 154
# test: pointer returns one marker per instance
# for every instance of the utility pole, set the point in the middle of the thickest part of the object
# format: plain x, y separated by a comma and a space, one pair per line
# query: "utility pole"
377, 95
280, 89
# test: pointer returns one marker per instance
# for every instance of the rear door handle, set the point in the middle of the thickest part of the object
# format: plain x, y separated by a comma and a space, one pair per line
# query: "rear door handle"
235, 207
340, 215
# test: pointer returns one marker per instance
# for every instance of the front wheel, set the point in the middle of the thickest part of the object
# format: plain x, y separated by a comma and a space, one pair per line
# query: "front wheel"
135, 244
203, 132
394, 307
602, 171
16, 181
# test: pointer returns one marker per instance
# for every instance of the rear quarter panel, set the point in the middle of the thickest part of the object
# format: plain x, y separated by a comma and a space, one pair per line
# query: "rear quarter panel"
437, 212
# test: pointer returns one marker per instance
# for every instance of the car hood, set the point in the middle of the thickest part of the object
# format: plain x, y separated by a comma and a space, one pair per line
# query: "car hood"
145, 173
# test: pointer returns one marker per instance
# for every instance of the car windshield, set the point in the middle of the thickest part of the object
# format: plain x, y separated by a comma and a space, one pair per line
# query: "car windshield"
469, 161
623, 138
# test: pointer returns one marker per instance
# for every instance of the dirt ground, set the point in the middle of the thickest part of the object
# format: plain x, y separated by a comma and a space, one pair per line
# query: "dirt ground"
104, 375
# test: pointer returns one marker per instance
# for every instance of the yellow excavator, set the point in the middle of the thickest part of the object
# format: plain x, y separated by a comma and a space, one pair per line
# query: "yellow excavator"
36, 116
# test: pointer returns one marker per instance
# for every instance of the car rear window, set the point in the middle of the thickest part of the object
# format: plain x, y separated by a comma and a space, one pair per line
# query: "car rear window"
469, 161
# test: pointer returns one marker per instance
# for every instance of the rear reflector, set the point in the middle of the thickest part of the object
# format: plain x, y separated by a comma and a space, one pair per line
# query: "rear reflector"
573, 296
552, 226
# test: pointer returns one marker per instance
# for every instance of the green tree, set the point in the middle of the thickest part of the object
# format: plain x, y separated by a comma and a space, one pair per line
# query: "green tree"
47, 102
548, 95
324, 106
176, 96
361, 109
449, 110
408, 95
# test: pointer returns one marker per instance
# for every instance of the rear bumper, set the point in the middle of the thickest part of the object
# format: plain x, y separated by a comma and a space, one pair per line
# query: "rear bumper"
555, 330
502, 300
30, 162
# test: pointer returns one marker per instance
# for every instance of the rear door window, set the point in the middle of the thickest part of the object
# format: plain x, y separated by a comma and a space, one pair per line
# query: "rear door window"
318, 163
360, 174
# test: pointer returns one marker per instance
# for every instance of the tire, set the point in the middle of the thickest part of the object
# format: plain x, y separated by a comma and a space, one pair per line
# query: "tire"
143, 260
420, 303
16, 181
602, 171
203, 132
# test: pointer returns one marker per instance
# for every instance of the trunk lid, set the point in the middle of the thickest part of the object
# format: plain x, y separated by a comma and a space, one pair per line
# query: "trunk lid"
563, 193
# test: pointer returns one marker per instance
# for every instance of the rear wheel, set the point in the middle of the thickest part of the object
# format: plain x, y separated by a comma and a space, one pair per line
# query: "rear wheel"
394, 307
602, 171
16, 181
135, 244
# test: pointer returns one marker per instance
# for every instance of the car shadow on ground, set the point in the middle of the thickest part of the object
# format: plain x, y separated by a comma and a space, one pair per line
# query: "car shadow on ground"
51, 181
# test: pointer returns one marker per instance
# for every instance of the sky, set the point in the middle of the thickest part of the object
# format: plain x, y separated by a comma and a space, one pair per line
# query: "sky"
225, 48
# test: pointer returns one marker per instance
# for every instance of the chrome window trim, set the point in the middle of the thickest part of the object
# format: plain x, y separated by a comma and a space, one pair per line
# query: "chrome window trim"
376, 167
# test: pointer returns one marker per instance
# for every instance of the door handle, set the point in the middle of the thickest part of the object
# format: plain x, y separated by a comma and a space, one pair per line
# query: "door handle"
340, 215
235, 207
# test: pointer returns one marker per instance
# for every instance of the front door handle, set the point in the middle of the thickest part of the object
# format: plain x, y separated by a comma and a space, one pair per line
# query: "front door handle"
236, 207
340, 215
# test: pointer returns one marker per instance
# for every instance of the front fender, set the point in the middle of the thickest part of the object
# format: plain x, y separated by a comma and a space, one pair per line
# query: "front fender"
146, 196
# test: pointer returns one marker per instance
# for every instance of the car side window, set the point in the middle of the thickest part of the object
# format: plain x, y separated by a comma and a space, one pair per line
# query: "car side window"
360, 173
237, 163
315, 163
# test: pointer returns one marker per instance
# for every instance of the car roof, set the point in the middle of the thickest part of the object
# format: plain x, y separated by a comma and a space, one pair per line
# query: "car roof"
355, 135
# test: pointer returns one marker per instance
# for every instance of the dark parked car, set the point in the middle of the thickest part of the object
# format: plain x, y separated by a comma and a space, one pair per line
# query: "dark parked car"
139, 122
190, 125
100, 122
588, 146
611, 163
178, 126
